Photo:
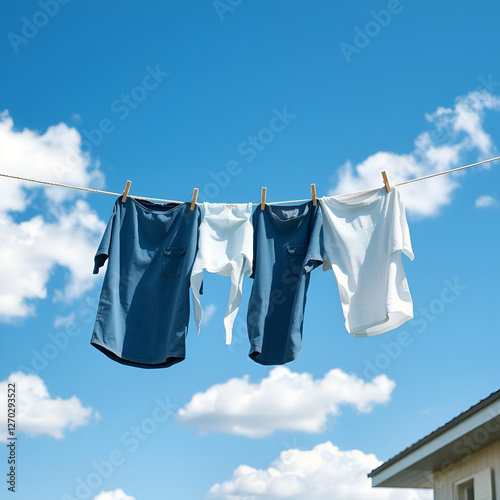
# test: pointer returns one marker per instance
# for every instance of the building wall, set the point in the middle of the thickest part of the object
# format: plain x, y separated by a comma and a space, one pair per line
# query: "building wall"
475, 464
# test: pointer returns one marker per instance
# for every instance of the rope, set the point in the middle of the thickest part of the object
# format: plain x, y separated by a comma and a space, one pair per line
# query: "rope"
89, 190
448, 171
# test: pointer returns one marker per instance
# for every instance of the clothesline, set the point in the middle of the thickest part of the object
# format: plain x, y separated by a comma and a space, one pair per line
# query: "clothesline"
90, 190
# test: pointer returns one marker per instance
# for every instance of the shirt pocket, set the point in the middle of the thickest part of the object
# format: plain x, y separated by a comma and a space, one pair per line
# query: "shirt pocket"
173, 259
296, 256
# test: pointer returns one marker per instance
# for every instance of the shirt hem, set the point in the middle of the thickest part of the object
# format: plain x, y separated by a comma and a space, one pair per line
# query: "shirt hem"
255, 352
385, 326
169, 359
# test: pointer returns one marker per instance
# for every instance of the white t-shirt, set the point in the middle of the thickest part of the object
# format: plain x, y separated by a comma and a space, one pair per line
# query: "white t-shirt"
225, 247
364, 235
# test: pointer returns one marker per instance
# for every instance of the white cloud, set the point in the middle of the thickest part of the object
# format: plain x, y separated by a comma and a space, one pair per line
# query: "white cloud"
285, 400
37, 413
485, 201
208, 313
66, 231
113, 495
323, 473
64, 321
455, 133
54, 156
32, 249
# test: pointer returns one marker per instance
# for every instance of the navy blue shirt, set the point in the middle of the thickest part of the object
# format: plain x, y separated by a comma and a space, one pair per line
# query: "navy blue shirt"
287, 246
143, 313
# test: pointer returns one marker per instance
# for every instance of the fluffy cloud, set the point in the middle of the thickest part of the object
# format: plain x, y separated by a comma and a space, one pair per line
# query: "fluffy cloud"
65, 232
323, 473
113, 495
455, 133
37, 413
285, 400
55, 156
485, 201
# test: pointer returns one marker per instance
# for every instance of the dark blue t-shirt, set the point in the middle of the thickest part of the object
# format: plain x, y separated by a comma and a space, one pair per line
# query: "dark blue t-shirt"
143, 313
287, 246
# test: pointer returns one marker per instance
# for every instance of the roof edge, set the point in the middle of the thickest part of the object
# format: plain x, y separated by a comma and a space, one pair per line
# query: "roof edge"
440, 430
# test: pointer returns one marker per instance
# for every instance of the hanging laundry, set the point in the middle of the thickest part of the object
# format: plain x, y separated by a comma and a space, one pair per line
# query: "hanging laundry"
225, 247
143, 312
287, 247
364, 235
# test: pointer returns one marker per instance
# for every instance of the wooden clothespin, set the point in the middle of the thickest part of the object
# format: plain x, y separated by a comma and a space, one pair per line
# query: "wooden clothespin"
193, 200
313, 193
263, 199
125, 191
386, 182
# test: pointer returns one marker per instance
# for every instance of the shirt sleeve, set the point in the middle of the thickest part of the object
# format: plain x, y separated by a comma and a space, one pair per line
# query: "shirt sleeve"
401, 231
315, 251
327, 265
255, 219
103, 251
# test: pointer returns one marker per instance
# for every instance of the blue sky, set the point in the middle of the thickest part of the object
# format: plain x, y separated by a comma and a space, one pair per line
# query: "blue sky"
176, 95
